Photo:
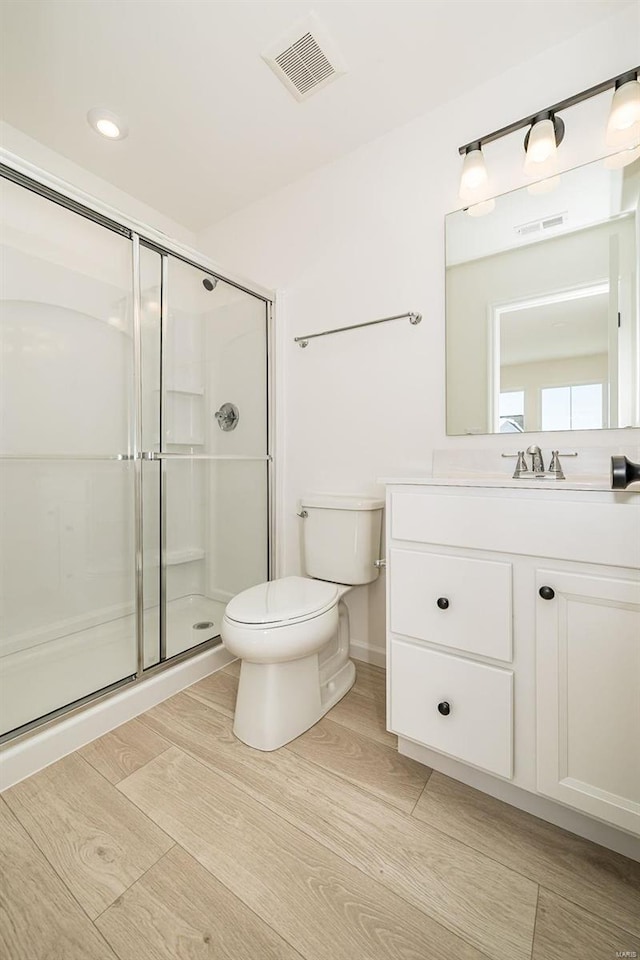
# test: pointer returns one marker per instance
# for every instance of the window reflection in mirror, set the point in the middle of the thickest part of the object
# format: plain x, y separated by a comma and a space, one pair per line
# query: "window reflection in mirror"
542, 308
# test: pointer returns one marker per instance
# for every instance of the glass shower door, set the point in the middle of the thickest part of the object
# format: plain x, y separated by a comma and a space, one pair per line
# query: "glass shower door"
214, 481
67, 511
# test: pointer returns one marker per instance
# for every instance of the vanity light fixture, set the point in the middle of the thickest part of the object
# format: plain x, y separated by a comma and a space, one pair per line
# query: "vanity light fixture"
474, 180
107, 124
546, 131
623, 127
541, 145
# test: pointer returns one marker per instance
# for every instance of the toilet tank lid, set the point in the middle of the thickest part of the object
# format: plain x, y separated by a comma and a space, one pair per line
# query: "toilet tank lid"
288, 598
330, 501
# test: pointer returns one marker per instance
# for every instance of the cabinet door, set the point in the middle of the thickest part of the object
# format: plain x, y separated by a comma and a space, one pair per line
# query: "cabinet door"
588, 694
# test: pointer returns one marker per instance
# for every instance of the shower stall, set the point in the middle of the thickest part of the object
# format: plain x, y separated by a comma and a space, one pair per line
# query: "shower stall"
135, 470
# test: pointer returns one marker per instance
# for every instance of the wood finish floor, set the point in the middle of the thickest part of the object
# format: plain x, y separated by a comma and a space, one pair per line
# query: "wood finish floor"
168, 839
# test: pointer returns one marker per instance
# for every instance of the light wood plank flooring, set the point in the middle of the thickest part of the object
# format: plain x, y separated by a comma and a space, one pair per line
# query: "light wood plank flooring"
168, 838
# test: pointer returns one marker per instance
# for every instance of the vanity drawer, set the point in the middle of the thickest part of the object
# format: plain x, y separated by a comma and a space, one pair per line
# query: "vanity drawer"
452, 601
479, 726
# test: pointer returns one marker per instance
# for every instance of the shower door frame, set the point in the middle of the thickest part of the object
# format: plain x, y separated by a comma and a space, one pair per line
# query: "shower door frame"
25, 174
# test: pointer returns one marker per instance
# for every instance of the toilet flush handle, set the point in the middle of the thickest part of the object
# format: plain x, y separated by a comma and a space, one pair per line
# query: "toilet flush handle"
303, 514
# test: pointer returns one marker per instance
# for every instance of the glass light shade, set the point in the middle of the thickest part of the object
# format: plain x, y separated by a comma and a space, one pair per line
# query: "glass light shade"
541, 158
618, 160
623, 127
482, 208
543, 186
474, 180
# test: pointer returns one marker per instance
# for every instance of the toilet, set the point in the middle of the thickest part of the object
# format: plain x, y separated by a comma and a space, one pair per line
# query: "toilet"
292, 634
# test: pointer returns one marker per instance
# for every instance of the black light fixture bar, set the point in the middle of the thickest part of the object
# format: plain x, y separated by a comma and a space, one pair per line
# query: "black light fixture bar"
561, 105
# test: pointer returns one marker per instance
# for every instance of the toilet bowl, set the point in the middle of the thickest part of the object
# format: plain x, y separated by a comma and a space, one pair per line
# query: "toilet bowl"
292, 634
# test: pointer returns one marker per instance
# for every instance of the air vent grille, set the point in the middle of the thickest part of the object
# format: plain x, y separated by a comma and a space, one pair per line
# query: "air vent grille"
538, 226
305, 64
306, 60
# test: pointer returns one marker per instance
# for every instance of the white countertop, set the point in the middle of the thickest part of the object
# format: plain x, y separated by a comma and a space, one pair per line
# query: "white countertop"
508, 483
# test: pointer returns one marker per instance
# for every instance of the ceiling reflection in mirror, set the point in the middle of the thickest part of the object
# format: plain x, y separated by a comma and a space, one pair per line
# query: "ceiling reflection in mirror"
542, 307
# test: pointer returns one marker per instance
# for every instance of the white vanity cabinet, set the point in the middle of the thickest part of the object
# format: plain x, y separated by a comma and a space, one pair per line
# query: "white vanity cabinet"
513, 645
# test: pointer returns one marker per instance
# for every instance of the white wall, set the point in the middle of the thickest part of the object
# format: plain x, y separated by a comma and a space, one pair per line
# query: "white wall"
364, 237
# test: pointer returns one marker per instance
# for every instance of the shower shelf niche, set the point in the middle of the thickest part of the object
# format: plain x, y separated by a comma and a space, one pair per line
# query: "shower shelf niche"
184, 417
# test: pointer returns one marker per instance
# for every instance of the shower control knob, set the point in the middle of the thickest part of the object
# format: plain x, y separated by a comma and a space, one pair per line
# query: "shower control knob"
442, 603
444, 708
547, 593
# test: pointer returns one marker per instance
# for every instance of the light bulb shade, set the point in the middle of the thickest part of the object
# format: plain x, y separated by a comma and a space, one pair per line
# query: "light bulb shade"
623, 127
481, 209
541, 158
474, 180
618, 160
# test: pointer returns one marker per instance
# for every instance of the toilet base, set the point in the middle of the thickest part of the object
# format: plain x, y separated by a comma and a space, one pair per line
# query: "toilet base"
260, 720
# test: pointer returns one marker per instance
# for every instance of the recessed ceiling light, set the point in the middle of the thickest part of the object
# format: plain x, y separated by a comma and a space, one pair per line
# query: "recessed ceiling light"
107, 124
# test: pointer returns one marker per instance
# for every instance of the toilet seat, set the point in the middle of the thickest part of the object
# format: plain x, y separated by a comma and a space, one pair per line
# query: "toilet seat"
288, 600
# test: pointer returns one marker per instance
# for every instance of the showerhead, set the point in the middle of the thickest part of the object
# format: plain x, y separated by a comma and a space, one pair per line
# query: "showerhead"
210, 283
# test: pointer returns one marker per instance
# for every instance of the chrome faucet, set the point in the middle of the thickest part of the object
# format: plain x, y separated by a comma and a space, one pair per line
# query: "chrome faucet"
522, 471
537, 463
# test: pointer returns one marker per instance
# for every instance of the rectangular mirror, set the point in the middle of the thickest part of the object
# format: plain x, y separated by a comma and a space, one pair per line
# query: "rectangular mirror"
542, 307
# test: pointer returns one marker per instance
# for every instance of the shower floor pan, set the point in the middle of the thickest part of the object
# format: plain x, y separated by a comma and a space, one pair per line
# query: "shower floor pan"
46, 675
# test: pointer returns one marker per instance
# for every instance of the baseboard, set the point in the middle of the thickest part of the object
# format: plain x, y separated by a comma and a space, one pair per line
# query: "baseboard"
360, 651
541, 807
43, 747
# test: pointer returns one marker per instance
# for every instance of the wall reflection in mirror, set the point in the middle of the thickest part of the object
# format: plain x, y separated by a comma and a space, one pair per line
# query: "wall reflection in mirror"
542, 307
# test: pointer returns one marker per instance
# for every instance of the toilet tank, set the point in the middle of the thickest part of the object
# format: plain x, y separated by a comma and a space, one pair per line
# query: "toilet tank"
341, 537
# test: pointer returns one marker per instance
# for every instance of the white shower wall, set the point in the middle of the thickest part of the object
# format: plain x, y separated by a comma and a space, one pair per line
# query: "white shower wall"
66, 348
236, 357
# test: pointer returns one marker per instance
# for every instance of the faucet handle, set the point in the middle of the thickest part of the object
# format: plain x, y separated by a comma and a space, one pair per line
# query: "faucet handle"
521, 464
555, 466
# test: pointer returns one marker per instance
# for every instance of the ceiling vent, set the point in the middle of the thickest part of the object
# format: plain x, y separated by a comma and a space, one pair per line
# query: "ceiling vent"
539, 226
306, 60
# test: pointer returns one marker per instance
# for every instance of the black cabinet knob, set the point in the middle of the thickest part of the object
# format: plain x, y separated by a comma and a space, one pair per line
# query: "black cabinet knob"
443, 603
444, 708
547, 593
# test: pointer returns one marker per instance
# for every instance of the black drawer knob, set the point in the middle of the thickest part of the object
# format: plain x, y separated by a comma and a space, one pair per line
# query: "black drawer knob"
444, 708
443, 603
547, 593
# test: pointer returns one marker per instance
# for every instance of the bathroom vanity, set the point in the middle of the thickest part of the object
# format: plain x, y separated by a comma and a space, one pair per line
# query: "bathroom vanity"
513, 643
